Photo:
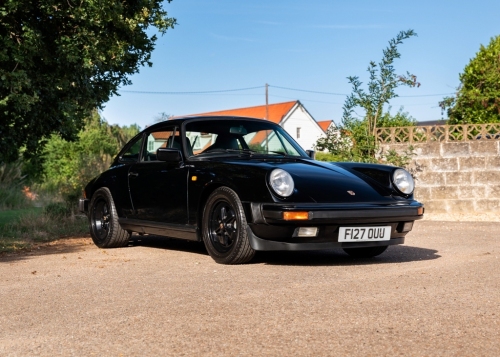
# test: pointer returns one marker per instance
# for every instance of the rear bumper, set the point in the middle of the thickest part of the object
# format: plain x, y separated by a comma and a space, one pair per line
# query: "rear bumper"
83, 205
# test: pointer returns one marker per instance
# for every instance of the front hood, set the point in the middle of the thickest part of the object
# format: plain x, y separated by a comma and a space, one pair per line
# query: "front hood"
326, 183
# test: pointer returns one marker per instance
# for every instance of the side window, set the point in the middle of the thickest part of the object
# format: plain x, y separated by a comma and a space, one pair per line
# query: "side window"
165, 138
131, 154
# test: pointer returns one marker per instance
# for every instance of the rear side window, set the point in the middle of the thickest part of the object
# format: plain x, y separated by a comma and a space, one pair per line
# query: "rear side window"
131, 154
164, 138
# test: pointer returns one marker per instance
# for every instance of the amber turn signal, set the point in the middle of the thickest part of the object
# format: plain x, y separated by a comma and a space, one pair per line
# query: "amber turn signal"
291, 216
420, 211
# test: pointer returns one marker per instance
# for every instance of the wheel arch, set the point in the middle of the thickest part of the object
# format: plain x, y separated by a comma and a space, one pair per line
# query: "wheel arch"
207, 191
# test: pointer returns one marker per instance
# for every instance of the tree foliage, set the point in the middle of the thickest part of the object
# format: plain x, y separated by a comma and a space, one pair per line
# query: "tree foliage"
70, 165
354, 140
478, 97
399, 119
381, 86
62, 59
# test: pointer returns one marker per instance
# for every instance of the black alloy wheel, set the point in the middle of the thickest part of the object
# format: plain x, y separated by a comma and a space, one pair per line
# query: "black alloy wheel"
105, 230
224, 228
100, 219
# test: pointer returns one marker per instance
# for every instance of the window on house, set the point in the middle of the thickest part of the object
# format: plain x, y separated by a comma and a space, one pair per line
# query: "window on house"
298, 133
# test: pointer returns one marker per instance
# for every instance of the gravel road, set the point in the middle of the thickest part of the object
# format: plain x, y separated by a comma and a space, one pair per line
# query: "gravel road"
437, 295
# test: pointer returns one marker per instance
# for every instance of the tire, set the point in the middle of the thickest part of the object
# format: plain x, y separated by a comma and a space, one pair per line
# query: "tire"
368, 252
105, 230
224, 228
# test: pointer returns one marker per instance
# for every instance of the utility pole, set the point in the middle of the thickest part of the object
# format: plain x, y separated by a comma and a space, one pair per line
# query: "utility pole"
267, 101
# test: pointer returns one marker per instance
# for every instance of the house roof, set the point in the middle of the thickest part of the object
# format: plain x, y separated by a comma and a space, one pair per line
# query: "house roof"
276, 111
161, 135
325, 124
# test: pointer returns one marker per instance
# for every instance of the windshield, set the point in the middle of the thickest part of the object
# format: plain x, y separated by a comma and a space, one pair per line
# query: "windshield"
212, 136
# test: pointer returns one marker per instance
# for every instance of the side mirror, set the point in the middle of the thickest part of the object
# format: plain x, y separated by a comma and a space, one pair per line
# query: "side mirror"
311, 153
168, 155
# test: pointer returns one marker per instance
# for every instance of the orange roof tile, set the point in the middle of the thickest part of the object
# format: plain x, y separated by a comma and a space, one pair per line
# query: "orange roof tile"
324, 124
162, 135
276, 111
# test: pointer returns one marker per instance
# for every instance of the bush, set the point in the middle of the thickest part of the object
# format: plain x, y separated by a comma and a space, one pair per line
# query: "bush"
11, 183
57, 210
326, 156
12, 197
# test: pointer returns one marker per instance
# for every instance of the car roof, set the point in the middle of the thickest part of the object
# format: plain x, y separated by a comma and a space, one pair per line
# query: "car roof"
180, 121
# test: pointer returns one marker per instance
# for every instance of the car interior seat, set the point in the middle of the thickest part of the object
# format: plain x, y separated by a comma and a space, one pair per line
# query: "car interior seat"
177, 144
225, 142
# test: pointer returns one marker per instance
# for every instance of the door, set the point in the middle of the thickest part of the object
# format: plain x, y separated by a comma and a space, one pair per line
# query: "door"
159, 189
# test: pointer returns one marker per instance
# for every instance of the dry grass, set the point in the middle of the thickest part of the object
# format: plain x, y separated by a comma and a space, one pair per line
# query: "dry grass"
32, 227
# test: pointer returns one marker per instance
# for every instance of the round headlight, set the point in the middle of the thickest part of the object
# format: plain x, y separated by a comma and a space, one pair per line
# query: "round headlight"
281, 182
403, 181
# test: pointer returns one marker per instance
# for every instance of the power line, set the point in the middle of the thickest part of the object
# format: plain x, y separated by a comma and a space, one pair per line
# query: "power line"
343, 94
198, 92
308, 91
305, 100
261, 87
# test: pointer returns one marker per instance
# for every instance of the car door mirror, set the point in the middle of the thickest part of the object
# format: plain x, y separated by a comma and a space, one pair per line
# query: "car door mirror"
169, 155
311, 154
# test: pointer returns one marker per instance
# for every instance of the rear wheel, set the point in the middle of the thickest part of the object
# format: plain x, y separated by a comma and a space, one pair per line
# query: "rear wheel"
105, 230
367, 252
224, 228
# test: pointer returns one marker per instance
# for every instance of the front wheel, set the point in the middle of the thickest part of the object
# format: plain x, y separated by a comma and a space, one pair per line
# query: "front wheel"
367, 252
224, 228
105, 230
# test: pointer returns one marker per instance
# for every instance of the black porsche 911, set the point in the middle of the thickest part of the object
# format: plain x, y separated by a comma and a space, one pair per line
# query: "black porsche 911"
242, 185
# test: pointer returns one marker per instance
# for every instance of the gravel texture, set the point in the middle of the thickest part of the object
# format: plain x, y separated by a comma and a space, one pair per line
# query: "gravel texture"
437, 295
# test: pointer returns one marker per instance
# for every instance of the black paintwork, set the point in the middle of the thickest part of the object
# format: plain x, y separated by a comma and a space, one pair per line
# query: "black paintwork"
161, 197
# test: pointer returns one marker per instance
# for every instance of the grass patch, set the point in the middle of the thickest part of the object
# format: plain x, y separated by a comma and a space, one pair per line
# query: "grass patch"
12, 197
22, 228
13, 215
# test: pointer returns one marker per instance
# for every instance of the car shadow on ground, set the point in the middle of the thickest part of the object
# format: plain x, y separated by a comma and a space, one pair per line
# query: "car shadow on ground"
166, 243
394, 254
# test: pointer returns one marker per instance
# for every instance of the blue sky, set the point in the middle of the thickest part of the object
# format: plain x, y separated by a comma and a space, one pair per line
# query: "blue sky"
308, 45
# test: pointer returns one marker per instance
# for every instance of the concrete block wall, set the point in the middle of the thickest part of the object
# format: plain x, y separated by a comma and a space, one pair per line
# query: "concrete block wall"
456, 177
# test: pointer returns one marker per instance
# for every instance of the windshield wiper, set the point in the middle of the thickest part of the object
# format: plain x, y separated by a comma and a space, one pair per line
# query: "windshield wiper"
231, 151
279, 153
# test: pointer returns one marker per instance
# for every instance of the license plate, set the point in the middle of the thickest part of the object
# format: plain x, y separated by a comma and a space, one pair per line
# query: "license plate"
364, 234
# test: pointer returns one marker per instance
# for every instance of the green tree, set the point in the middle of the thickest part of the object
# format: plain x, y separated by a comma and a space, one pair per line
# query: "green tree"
162, 117
123, 134
60, 59
354, 140
400, 119
478, 97
70, 165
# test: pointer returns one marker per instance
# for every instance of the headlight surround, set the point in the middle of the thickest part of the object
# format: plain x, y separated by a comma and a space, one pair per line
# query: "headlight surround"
403, 181
281, 182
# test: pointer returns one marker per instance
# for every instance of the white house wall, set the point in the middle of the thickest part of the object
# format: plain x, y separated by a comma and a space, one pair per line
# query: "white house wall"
310, 131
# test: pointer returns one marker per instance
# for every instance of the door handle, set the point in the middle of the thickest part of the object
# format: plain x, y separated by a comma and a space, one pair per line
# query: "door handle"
135, 174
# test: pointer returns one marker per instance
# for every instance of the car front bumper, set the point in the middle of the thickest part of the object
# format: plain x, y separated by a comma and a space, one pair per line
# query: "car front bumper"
268, 230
